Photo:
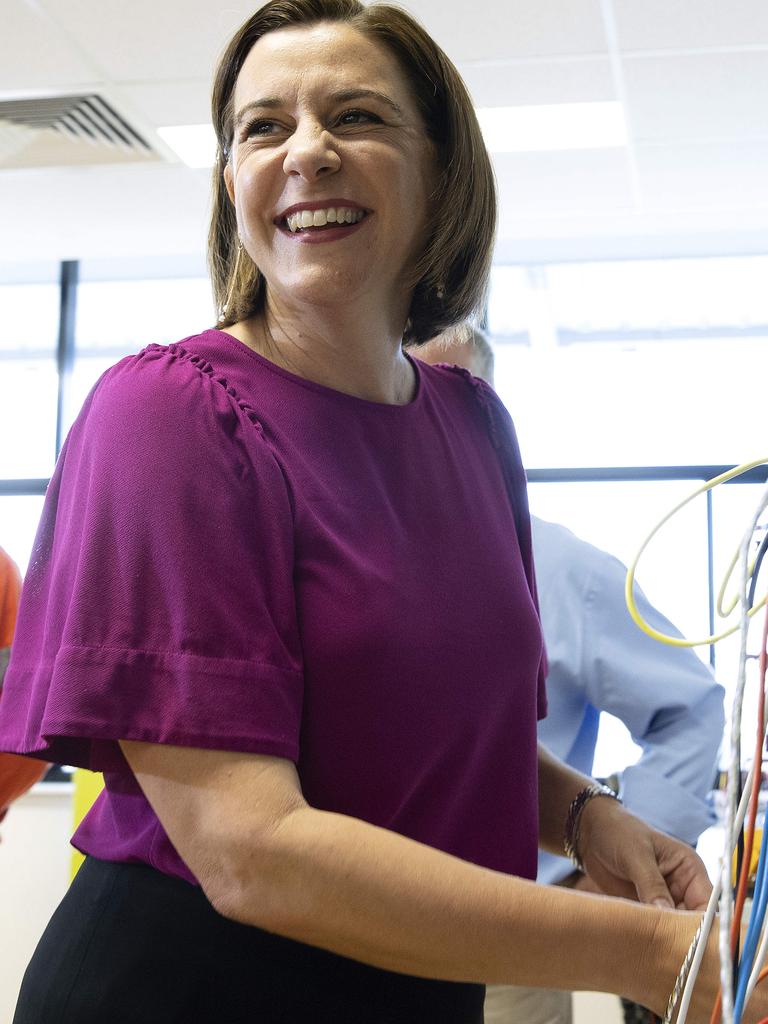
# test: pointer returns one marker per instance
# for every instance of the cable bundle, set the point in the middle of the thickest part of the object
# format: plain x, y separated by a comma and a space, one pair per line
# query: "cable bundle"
740, 968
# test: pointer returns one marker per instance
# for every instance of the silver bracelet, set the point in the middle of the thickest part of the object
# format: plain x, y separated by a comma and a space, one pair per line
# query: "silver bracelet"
682, 976
573, 820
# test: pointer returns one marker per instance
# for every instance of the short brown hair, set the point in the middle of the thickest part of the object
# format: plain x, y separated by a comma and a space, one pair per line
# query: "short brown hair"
451, 276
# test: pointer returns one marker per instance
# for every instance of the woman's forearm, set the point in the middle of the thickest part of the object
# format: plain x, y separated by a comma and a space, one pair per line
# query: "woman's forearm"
375, 896
558, 786
266, 858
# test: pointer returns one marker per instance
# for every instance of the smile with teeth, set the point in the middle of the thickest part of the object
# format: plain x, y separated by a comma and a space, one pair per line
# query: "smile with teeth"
303, 219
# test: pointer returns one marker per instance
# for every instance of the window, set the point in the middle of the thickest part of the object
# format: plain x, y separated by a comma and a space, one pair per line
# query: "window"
29, 314
117, 318
120, 307
632, 363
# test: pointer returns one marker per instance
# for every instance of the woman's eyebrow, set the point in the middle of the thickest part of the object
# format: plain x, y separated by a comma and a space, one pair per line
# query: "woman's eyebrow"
362, 94
274, 102
268, 103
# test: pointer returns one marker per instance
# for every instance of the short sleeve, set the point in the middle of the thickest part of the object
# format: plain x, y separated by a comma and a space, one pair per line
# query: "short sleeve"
159, 602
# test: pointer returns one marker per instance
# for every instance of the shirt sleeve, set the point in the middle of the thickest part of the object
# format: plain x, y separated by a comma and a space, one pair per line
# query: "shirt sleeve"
667, 698
159, 603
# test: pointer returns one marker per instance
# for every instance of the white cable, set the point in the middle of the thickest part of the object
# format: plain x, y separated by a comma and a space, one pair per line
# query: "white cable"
709, 916
734, 771
722, 890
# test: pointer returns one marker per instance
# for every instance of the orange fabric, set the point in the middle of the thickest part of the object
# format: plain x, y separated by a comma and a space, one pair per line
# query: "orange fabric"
10, 591
17, 774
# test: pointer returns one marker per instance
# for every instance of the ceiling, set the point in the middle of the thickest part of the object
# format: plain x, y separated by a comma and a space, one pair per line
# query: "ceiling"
692, 75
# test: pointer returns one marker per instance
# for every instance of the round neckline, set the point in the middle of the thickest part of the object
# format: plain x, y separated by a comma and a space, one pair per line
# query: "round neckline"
323, 388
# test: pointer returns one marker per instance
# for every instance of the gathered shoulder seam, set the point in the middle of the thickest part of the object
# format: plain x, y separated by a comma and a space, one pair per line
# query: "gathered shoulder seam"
179, 353
488, 401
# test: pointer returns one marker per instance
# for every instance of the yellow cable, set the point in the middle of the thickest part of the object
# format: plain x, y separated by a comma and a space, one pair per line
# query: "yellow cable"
629, 589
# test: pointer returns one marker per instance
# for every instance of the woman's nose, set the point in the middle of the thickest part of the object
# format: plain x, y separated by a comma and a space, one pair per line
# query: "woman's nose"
311, 153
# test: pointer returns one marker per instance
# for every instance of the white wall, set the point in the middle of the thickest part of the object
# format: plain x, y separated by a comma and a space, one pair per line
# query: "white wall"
34, 874
596, 1008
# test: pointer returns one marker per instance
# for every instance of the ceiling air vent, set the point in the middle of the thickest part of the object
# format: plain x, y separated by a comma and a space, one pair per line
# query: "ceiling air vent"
68, 130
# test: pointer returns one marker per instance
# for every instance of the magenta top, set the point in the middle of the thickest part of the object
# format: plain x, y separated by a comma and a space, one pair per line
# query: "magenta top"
233, 557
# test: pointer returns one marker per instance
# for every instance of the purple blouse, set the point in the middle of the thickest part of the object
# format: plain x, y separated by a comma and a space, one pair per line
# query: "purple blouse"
233, 557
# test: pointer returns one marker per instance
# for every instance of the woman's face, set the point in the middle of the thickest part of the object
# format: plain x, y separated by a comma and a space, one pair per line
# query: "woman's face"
326, 133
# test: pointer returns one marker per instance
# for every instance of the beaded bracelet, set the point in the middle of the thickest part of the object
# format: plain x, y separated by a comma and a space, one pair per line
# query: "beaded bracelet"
573, 820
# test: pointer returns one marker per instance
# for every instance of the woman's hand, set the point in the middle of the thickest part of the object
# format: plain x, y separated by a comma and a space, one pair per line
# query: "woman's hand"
625, 857
672, 938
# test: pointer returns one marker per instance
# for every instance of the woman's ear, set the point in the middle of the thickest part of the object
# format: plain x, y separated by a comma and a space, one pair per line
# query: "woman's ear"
229, 181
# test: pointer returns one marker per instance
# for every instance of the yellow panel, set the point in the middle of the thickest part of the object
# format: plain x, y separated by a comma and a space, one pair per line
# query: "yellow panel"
88, 785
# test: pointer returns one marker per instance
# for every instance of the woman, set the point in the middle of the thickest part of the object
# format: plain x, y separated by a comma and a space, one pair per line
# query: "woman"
263, 551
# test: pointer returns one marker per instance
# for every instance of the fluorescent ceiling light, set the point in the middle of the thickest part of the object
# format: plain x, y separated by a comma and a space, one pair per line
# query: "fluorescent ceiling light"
195, 144
552, 126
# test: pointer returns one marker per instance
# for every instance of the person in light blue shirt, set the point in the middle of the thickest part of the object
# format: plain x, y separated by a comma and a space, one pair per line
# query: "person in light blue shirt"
600, 661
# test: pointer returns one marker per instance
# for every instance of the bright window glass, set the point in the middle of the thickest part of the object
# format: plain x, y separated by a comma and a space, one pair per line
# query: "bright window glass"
28, 396
119, 318
29, 319
19, 516
672, 403
636, 362
125, 316
510, 302
659, 296
29, 315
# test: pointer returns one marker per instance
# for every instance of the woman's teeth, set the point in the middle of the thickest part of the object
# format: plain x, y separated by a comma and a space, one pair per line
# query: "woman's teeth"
320, 218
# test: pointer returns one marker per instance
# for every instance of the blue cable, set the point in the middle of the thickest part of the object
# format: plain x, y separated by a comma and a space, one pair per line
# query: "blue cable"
756, 918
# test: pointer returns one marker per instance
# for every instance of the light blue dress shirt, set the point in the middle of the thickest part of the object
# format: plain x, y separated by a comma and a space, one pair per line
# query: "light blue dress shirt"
600, 661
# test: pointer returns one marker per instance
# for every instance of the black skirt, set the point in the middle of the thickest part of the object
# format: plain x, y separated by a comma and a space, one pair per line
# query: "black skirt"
129, 945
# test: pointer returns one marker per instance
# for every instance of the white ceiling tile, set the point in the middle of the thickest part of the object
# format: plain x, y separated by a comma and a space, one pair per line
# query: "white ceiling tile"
33, 55
513, 28
712, 96
727, 175
577, 81
170, 103
689, 24
145, 40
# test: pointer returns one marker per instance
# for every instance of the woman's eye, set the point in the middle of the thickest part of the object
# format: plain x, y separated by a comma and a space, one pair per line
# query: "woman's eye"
262, 129
352, 117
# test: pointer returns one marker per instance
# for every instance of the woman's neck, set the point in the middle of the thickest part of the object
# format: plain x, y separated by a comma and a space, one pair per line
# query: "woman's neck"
346, 353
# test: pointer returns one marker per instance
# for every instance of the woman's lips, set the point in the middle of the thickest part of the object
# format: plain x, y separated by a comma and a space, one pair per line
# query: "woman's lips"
314, 236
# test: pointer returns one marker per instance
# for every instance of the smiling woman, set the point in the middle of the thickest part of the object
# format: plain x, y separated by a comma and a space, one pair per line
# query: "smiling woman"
383, 86
302, 153
282, 596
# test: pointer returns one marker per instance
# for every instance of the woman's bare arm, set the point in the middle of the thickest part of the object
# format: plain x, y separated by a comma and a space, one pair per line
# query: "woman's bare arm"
265, 858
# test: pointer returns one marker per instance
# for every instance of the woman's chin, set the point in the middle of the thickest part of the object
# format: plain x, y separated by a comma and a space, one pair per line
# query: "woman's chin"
319, 288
